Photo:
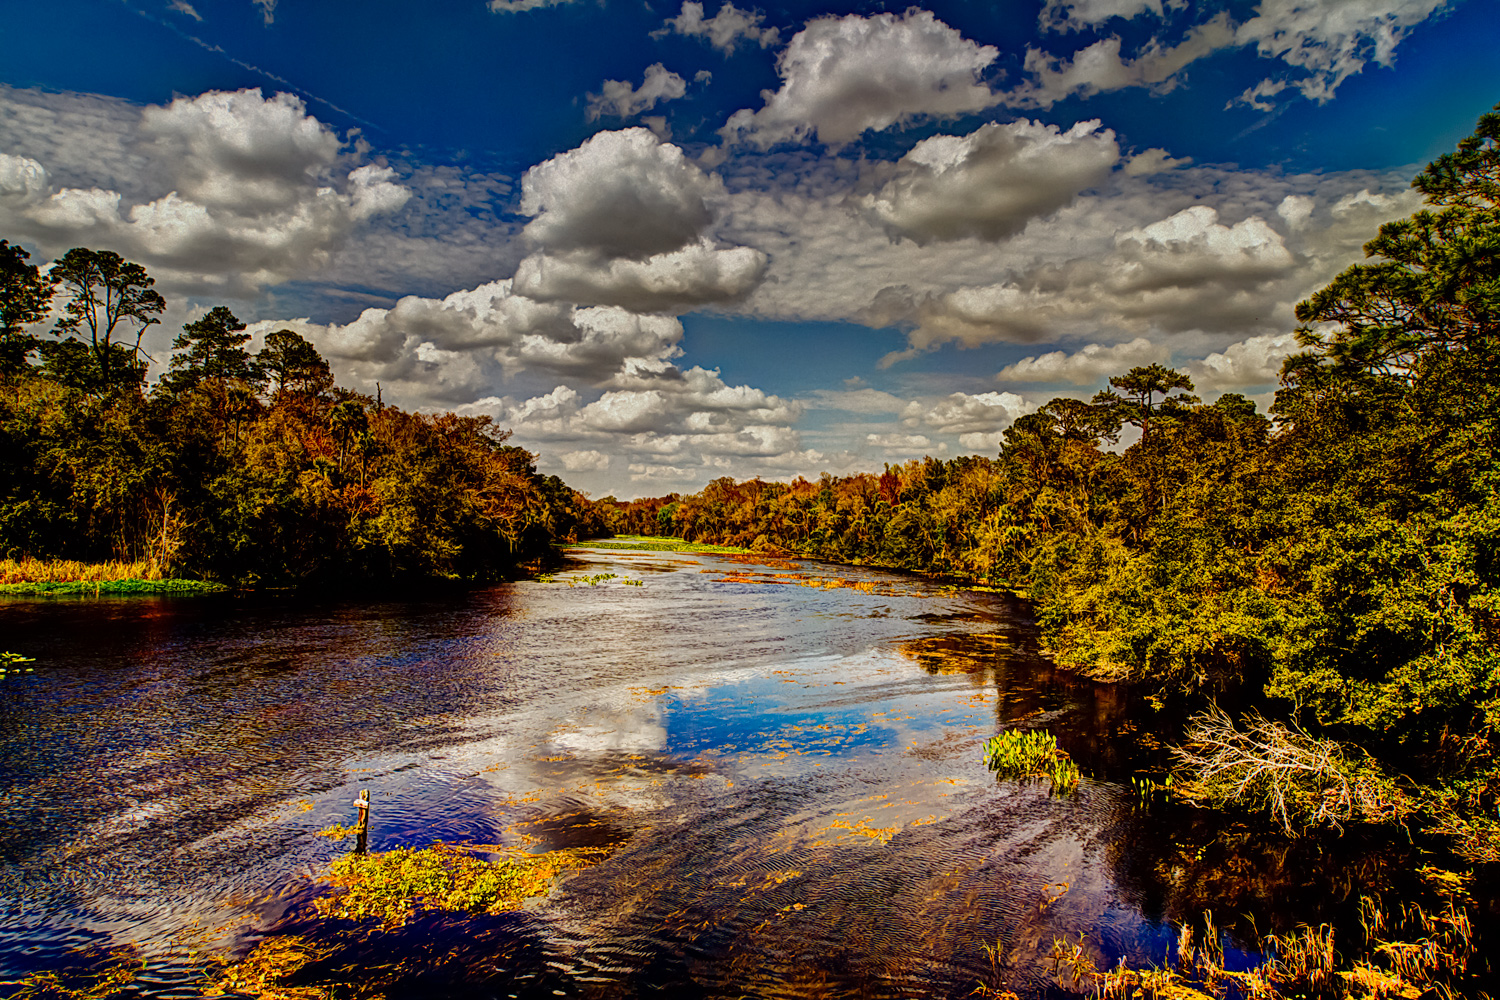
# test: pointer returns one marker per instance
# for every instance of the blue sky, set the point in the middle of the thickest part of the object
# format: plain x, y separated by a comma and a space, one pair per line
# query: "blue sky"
669, 241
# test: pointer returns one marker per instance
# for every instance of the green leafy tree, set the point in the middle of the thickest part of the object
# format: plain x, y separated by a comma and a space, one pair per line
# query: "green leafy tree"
112, 301
210, 349
291, 364
1435, 279
348, 420
25, 299
1141, 386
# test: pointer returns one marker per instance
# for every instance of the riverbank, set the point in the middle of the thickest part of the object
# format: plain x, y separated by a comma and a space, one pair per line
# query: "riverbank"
33, 577
127, 586
659, 543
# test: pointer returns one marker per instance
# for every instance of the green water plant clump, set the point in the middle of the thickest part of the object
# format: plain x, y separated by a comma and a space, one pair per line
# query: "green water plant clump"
594, 580
11, 663
1022, 754
393, 886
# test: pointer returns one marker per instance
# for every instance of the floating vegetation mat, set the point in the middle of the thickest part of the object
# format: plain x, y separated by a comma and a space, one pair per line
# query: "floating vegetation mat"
112, 975
393, 886
959, 653
880, 587
381, 892
265, 971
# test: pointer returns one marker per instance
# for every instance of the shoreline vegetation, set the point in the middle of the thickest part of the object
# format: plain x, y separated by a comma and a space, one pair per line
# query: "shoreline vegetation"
232, 469
644, 543
1316, 592
37, 577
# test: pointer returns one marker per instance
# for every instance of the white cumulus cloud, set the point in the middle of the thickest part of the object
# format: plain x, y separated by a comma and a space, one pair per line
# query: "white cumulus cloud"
1086, 365
1185, 272
842, 76
990, 183
622, 194
725, 30
621, 99
683, 279
451, 349
1256, 361
621, 220
966, 413
242, 191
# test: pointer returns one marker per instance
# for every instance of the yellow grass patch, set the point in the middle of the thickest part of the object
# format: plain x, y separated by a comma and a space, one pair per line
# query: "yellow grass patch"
68, 571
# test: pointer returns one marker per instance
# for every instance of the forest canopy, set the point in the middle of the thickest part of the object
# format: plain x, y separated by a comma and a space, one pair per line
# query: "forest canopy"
239, 467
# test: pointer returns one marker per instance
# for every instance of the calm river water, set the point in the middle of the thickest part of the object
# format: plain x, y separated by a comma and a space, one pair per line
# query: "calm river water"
785, 758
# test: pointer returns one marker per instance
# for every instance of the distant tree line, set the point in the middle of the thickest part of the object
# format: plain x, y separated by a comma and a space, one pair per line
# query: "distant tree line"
238, 467
1338, 566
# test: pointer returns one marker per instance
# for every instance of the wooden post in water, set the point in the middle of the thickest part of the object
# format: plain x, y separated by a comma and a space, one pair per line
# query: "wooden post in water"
362, 825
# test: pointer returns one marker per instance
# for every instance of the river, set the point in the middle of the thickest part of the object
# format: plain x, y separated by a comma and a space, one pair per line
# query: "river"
785, 758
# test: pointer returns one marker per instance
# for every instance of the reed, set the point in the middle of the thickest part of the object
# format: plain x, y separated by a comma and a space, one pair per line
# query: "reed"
67, 571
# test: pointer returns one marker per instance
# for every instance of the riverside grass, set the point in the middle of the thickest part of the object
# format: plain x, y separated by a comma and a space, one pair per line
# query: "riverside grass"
660, 543
26, 577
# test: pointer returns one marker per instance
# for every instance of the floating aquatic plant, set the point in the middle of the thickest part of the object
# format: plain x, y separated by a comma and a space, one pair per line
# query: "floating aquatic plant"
1022, 754
392, 886
10, 663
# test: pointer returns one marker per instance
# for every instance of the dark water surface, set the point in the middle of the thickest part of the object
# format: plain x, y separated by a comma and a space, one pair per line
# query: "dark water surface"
786, 759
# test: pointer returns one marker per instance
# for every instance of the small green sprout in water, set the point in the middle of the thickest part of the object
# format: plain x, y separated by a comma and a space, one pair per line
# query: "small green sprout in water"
1148, 790
337, 831
1022, 754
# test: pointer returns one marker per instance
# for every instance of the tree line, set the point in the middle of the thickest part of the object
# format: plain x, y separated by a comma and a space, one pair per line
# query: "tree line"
1336, 564
239, 467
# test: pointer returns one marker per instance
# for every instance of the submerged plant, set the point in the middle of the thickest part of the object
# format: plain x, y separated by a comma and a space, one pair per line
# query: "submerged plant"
264, 972
1023, 754
110, 977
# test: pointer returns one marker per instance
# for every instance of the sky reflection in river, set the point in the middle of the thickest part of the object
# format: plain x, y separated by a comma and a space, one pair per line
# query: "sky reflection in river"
786, 761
